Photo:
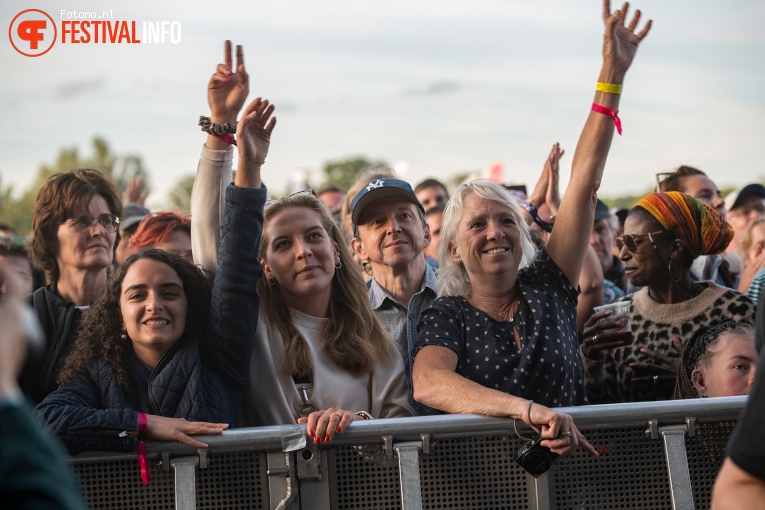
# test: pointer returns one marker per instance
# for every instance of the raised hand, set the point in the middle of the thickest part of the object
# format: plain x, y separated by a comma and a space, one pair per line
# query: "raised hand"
253, 139
178, 429
552, 167
621, 41
228, 89
135, 194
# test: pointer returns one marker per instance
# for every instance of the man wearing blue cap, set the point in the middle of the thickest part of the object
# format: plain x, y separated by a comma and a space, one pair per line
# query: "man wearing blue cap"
389, 230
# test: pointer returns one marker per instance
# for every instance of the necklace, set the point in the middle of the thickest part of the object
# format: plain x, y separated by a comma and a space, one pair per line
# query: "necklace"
502, 313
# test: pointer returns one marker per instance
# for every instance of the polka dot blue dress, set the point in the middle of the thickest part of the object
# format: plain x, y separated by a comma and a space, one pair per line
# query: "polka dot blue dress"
546, 368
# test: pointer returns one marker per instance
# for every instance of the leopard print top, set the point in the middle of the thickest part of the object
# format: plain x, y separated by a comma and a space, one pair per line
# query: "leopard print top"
654, 326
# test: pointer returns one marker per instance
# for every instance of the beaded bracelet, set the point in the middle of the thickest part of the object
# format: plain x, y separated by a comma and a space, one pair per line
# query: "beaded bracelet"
209, 127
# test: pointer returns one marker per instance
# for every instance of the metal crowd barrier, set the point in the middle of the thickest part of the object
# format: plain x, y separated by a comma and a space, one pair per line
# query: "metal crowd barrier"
653, 455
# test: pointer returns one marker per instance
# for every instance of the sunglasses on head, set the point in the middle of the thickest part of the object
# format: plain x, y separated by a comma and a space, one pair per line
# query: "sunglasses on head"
628, 240
660, 178
296, 194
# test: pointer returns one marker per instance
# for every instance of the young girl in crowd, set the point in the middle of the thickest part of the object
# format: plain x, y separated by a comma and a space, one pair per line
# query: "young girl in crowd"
321, 357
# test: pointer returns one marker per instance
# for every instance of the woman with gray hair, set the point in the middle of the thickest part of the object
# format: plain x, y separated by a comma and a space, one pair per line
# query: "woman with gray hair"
502, 335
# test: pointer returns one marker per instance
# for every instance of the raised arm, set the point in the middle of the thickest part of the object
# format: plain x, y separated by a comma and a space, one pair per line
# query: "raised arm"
570, 238
235, 302
226, 93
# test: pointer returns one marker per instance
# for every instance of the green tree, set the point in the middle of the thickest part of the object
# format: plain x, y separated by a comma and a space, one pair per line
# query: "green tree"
180, 195
343, 172
18, 212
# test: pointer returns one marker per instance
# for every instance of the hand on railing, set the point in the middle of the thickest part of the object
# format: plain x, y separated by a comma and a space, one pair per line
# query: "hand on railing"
558, 431
323, 425
179, 429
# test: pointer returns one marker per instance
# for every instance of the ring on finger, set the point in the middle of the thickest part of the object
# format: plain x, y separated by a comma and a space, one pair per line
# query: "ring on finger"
336, 414
656, 379
567, 433
595, 338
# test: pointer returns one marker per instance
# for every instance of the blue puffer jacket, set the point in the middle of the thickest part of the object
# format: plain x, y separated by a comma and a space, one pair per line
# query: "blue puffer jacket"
200, 379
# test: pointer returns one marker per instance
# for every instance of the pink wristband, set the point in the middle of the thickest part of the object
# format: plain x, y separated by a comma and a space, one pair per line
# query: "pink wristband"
225, 137
140, 449
611, 113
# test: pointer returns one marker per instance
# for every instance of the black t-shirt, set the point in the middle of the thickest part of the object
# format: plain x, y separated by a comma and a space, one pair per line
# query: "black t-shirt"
747, 446
547, 368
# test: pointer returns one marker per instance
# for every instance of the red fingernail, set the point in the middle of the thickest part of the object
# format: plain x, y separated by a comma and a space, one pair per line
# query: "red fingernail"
618, 324
632, 365
602, 450
338, 430
642, 350
326, 439
310, 433
316, 440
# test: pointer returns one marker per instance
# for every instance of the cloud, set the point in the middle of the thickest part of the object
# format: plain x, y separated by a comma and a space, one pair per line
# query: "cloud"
436, 88
77, 88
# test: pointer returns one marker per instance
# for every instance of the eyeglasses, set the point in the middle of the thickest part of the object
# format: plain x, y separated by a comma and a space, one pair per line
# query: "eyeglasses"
296, 194
661, 177
628, 240
108, 222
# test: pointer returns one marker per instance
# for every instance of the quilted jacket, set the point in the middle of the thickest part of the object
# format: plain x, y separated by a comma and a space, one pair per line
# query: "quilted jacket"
202, 378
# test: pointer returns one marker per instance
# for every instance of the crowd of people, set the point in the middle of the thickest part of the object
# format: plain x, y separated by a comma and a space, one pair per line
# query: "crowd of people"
383, 300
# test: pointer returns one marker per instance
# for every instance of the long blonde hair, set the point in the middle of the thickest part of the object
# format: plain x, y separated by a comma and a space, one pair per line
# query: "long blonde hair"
353, 336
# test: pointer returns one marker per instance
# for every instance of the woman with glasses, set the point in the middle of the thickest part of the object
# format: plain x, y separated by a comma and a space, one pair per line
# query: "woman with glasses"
320, 355
74, 227
157, 354
663, 234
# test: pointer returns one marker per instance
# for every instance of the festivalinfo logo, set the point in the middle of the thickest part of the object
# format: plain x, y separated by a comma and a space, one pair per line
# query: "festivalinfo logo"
33, 32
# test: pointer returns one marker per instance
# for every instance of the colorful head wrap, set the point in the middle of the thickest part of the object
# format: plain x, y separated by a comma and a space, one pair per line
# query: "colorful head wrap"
701, 227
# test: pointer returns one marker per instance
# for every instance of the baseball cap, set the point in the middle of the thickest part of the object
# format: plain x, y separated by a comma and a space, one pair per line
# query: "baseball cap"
738, 197
132, 214
380, 188
601, 211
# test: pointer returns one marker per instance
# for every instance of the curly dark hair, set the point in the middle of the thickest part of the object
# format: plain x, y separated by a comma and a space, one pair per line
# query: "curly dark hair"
99, 333
57, 200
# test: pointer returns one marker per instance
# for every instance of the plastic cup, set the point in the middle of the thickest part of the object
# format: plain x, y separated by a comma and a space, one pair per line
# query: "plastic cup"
620, 311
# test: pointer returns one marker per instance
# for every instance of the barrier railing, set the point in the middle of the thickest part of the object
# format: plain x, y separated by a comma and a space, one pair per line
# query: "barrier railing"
653, 455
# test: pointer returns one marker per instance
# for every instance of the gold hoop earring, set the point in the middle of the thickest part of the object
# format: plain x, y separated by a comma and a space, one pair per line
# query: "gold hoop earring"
338, 264
669, 268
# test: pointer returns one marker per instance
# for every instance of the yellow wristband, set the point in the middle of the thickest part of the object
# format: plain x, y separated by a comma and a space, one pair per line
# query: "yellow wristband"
610, 88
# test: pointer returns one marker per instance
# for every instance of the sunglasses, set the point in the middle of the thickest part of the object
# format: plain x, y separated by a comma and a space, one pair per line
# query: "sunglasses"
108, 222
296, 194
628, 240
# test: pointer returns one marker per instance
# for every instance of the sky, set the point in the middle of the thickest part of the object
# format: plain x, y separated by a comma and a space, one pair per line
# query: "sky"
434, 87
